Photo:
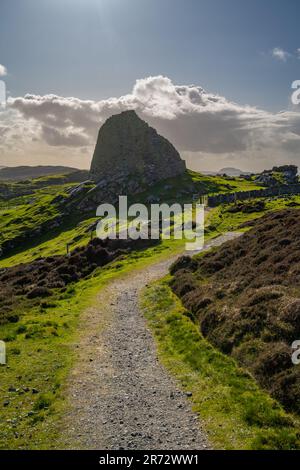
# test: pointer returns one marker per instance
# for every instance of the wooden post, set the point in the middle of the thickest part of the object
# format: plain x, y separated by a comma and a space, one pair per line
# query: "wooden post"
68, 250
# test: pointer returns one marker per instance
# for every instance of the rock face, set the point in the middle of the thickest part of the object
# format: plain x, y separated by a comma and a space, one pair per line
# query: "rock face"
285, 174
131, 151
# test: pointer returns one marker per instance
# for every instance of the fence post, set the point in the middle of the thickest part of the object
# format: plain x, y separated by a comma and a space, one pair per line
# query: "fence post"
68, 248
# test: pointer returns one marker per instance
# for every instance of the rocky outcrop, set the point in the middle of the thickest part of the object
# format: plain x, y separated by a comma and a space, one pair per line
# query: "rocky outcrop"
285, 174
132, 152
289, 172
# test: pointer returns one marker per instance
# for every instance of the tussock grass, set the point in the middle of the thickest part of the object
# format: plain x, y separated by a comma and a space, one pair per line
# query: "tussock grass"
256, 318
235, 413
226, 218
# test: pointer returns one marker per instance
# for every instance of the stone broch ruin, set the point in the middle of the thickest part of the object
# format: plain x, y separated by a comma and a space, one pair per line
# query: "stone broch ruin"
129, 158
128, 149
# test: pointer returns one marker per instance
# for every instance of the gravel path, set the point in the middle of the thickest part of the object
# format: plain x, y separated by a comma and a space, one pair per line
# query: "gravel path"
122, 397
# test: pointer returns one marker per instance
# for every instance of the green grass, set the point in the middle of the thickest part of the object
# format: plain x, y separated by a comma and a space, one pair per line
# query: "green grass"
235, 413
22, 214
222, 184
73, 232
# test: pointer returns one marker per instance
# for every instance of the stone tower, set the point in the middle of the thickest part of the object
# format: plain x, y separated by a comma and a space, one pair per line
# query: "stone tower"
128, 149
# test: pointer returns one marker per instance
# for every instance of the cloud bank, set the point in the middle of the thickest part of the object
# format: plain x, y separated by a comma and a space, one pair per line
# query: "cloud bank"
209, 130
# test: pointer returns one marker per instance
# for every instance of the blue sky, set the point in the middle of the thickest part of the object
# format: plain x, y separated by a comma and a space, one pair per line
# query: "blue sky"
97, 49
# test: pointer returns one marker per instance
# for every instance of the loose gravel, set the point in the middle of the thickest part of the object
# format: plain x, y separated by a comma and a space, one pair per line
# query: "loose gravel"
122, 397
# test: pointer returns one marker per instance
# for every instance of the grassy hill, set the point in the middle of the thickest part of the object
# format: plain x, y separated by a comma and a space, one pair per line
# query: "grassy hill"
21, 173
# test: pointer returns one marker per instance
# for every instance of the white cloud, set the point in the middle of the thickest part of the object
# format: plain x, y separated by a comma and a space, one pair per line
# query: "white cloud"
298, 52
280, 54
3, 70
198, 123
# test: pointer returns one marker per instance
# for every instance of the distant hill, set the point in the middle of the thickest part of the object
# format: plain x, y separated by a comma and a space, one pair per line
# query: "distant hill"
229, 171
19, 173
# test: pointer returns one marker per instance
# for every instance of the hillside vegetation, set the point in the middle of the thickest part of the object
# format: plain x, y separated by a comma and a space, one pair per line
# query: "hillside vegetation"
246, 296
235, 412
44, 218
44, 292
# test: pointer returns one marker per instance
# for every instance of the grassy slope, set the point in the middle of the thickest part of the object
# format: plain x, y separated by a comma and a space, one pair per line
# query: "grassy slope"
235, 412
223, 184
181, 188
74, 232
25, 212
220, 220
20, 214
251, 292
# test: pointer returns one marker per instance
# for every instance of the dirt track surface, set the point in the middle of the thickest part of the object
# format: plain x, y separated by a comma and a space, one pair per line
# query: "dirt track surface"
122, 397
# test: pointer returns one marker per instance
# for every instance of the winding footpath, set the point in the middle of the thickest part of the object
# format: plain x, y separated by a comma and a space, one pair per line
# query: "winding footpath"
122, 397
